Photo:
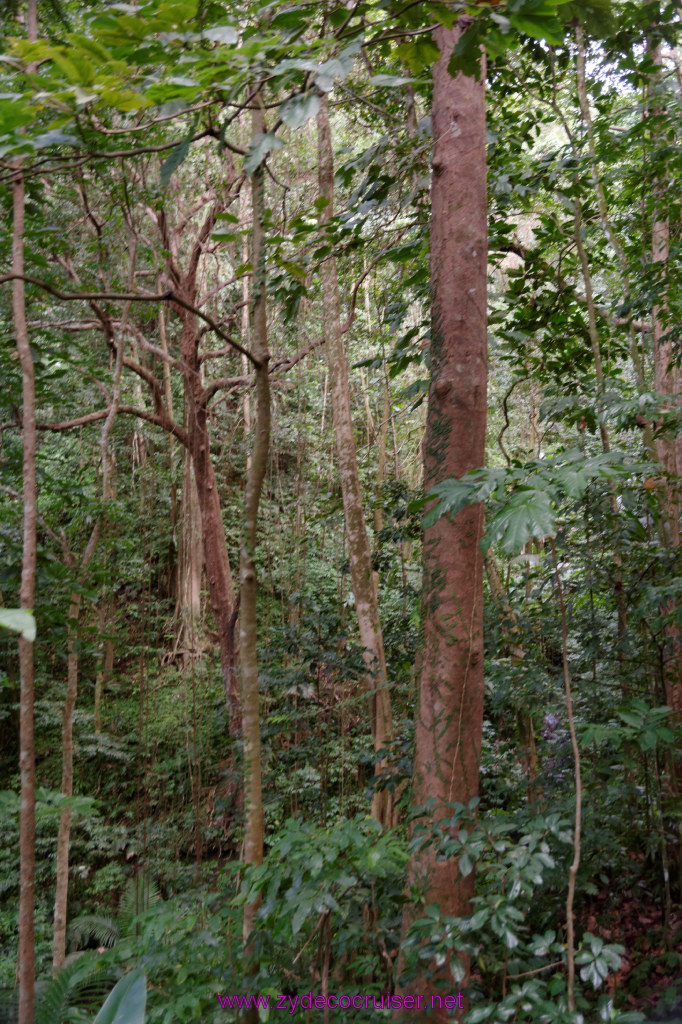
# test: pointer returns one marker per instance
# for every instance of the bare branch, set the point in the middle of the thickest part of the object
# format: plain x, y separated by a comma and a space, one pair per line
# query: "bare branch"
126, 410
168, 296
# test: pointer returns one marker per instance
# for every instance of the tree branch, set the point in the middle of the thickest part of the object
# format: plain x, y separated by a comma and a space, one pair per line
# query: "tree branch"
168, 296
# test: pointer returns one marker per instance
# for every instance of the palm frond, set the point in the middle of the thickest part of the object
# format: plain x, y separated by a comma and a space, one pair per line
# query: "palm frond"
81, 976
88, 927
140, 894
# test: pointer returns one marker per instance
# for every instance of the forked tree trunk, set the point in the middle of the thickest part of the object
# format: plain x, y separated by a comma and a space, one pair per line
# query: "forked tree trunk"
27, 768
219, 575
248, 616
364, 590
449, 712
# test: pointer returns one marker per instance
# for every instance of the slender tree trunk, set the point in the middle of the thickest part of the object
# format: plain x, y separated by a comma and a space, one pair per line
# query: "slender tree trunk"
248, 617
27, 770
449, 712
190, 564
105, 665
66, 817
366, 604
607, 226
668, 382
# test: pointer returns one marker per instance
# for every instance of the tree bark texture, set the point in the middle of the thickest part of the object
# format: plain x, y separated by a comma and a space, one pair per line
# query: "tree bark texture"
220, 585
190, 565
248, 616
27, 768
668, 383
27, 828
449, 712
364, 590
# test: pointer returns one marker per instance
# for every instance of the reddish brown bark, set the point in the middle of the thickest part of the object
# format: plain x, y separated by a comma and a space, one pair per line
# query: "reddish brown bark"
220, 585
668, 381
449, 714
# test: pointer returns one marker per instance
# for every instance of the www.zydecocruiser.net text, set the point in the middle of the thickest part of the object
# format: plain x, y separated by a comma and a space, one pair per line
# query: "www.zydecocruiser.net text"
384, 1001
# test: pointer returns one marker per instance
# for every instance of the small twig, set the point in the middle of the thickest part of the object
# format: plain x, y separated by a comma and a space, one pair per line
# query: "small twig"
505, 410
538, 970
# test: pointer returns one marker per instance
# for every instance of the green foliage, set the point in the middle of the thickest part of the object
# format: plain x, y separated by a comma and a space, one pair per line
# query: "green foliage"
81, 982
19, 621
127, 1001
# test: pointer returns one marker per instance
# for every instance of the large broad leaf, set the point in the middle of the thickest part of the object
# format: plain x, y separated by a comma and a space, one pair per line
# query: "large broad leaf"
127, 1001
20, 621
299, 109
176, 156
260, 146
454, 494
221, 34
528, 514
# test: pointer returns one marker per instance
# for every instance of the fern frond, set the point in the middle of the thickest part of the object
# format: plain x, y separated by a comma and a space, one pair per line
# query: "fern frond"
54, 1001
140, 894
103, 930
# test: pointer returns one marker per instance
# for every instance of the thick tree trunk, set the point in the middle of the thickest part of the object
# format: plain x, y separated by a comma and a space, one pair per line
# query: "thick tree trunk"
248, 617
366, 604
220, 585
449, 713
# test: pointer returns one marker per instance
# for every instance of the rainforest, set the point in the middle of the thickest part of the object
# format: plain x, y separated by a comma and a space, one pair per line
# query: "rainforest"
340, 493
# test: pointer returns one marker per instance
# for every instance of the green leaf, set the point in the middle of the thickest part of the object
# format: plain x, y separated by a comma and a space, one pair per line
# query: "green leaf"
389, 81
300, 914
177, 155
420, 55
480, 1013
465, 865
528, 514
299, 109
127, 1001
221, 34
539, 27
20, 621
260, 146
55, 138
466, 56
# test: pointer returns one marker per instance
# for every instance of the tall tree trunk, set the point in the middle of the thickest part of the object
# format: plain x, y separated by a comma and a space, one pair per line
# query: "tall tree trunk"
66, 817
190, 565
366, 604
668, 382
449, 712
248, 617
218, 572
27, 768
